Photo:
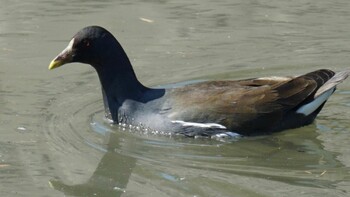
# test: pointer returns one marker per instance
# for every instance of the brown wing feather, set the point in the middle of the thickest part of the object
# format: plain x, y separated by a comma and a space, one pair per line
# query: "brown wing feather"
245, 105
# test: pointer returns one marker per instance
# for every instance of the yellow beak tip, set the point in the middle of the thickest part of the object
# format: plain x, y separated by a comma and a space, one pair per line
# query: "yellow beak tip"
54, 64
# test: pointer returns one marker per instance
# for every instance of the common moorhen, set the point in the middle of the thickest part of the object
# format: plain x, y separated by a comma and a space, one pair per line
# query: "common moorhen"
211, 108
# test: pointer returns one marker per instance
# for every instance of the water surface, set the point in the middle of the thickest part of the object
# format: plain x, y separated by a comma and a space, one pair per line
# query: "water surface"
55, 142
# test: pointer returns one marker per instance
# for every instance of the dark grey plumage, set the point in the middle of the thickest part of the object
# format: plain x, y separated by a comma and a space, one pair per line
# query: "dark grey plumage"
248, 107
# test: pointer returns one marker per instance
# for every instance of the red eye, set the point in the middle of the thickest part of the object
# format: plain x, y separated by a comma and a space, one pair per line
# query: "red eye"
86, 43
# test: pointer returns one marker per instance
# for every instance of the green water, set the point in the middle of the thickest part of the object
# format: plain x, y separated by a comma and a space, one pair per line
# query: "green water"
55, 142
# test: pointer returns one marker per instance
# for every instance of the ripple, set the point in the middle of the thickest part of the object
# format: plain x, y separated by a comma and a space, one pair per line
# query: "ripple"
106, 156
68, 123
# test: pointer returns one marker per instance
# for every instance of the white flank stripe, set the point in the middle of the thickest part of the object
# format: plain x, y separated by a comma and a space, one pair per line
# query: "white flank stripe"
202, 125
274, 78
227, 135
311, 107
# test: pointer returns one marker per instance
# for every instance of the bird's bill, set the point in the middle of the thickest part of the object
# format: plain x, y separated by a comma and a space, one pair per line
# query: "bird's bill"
64, 57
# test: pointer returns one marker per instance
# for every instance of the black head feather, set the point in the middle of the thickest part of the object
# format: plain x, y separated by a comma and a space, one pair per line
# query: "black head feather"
96, 46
